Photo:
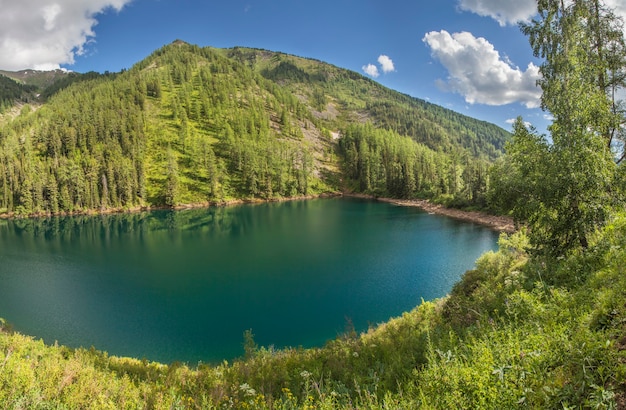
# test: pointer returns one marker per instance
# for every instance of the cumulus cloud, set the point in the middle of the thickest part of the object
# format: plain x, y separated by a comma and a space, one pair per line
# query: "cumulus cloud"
511, 121
479, 74
513, 11
43, 34
386, 64
371, 70
503, 11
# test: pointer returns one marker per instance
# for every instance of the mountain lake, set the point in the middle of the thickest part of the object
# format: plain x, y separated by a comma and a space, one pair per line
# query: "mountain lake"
186, 285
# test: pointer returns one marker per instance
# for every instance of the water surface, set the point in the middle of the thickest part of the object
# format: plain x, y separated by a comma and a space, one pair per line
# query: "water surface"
185, 285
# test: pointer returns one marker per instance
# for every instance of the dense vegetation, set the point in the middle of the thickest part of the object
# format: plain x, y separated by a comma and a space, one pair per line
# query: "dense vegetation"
31, 86
12, 92
39, 80
565, 188
348, 97
539, 324
193, 125
385, 163
191, 131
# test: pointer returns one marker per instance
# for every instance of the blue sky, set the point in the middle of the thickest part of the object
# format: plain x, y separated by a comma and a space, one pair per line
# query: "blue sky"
467, 55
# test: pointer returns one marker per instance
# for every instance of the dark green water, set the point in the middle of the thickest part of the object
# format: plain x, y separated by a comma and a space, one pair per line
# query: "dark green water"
185, 285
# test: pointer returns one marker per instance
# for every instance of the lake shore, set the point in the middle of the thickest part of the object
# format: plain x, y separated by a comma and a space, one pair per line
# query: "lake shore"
495, 222
180, 207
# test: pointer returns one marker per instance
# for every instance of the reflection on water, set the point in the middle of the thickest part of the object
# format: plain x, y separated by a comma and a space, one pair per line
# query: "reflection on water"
185, 285
216, 220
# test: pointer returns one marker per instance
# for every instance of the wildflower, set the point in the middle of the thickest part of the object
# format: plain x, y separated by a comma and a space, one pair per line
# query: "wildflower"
247, 390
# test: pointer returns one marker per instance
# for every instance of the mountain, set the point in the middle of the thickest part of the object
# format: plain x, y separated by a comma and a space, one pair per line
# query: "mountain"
192, 125
346, 96
36, 78
12, 93
35, 86
32, 86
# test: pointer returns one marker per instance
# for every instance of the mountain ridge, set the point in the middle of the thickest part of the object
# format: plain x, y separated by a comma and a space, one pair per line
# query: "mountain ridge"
38, 78
280, 67
192, 124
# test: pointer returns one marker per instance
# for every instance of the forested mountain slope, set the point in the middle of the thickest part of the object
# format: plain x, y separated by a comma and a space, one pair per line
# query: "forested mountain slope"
192, 125
346, 97
36, 79
12, 92
30, 86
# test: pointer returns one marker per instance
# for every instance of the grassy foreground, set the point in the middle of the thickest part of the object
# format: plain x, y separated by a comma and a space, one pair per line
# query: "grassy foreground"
517, 331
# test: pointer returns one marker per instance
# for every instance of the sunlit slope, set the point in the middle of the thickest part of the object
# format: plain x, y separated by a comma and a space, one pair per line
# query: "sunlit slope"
191, 125
342, 96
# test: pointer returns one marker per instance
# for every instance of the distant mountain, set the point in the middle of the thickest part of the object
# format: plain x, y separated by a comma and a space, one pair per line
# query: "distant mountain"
36, 78
13, 92
31, 86
194, 125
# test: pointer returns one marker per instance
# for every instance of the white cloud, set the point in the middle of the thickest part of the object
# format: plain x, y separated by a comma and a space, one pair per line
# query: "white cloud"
619, 7
513, 11
479, 74
503, 11
43, 34
371, 70
386, 64
511, 121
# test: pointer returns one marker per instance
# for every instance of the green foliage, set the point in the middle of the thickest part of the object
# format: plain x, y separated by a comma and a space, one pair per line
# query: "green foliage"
550, 345
38, 80
69, 79
192, 124
11, 92
564, 188
384, 163
185, 126
560, 189
584, 49
341, 97
31, 86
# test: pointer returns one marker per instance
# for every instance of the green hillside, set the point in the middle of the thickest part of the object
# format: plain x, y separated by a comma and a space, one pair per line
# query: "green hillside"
13, 92
191, 125
40, 80
342, 97
30, 86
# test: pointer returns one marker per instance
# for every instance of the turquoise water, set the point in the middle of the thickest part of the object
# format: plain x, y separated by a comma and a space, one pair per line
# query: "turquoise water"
185, 285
